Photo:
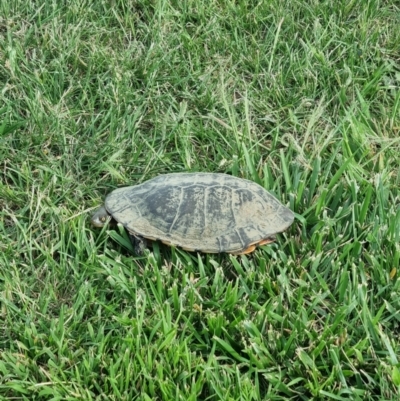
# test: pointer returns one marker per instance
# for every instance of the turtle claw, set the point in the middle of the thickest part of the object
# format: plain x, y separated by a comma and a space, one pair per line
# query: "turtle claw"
139, 244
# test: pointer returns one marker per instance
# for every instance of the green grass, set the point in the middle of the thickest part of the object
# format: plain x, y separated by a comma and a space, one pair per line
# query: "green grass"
301, 97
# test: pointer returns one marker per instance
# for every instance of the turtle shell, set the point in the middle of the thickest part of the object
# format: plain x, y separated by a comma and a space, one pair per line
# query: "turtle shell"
205, 212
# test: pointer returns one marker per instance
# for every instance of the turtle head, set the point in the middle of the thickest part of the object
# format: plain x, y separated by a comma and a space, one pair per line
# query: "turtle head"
101, 217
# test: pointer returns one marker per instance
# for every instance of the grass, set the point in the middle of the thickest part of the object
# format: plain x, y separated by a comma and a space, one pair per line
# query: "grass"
301, 97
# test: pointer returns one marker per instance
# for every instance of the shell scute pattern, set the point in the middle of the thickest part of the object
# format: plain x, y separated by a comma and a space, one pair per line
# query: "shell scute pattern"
200, 211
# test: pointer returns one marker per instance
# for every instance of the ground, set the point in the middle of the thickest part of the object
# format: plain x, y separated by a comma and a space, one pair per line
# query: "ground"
301, 97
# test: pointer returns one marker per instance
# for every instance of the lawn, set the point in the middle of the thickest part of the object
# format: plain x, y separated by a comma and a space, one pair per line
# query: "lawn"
301, 97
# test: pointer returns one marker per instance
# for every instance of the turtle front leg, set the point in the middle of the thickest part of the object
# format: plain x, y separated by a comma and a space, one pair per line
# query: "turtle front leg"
139, 244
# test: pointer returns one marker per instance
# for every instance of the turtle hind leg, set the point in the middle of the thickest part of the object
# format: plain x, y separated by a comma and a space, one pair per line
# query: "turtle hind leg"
252, 247
245, 251
139, 244
266, 241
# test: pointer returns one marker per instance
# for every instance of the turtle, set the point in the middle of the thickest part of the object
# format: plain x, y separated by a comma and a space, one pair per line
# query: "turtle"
198, 212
